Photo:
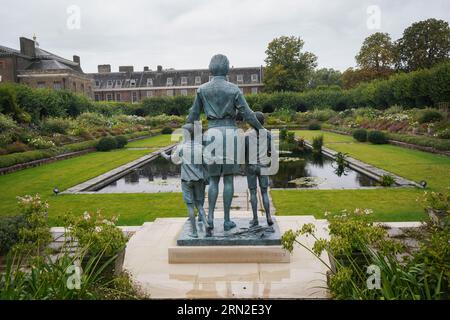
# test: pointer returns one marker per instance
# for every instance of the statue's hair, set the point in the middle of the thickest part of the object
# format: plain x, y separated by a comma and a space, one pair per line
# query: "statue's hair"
219, 65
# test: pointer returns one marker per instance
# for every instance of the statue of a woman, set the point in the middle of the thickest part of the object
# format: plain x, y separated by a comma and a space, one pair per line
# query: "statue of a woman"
222, 101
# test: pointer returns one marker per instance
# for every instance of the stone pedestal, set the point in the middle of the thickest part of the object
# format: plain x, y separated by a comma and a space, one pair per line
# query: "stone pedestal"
242, 244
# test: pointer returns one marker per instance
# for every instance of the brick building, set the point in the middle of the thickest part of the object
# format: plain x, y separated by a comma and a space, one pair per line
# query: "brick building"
133, 86
39, 68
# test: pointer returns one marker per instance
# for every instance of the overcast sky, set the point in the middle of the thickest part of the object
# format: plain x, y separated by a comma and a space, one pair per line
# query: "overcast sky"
184, 34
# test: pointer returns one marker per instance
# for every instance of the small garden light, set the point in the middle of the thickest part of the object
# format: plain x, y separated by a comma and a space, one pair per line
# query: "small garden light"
55, 191
423, 183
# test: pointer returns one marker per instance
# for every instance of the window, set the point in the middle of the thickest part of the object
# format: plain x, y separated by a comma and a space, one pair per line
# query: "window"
132, 82
134, 97
82, 87
57, 85
240, 78
118, 96
149, 82
97, 83
255, 90
198, 80
255, 77
74, 84
118, 83
184, 81
109, 83
169, 82
109, 96
170, 93
97, 97
183, 92
149, 93
41, 84
210, 78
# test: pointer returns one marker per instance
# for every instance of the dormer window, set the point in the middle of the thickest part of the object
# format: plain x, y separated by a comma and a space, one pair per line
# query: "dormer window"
184, 81
118, 83
149, 82
198, 80
109, 83
97, 83
255, 77
240, 78
132, 82
169, 82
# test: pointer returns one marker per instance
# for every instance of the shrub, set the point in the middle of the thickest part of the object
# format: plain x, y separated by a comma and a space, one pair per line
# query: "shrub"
387, 180
121, 141
40, 143
7, 123
377, 137
106, 144
9, 231
55, 125
314, 126
16, 146
430, 115
360, 135
166, 130
317, 144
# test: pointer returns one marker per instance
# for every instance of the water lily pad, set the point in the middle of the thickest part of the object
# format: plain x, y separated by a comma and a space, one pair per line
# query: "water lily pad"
308, 182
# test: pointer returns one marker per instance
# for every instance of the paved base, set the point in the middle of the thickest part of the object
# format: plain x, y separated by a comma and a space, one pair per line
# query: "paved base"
146, 260
229, 254
241, 235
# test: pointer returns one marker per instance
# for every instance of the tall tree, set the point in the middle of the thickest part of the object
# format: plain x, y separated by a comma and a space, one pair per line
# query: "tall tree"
325, 77
376, 53
287, 67
424, 44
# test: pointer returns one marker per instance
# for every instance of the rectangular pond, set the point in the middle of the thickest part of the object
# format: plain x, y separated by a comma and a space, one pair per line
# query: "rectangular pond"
301, 171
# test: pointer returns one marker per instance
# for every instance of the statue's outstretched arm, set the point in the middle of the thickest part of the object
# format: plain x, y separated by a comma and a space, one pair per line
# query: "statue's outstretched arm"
246, 112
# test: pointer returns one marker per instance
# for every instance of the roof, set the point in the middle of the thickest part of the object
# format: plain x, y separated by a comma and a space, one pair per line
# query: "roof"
44, 60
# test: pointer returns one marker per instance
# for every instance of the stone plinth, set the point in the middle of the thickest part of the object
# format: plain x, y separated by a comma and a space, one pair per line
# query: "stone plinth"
228, 254
241, 235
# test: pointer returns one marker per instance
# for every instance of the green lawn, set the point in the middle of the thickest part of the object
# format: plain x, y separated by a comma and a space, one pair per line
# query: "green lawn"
388, 204
152, 142
132, 208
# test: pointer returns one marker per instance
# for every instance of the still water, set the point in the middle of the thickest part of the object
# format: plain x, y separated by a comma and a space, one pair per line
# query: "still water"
301, 171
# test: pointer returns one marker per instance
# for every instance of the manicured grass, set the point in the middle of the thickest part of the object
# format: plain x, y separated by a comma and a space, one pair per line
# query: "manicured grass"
152, 142
132, 208
389, 204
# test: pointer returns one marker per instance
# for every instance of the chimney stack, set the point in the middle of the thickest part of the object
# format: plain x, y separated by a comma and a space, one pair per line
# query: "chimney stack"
104, 68
76, 59
146, 68
27, 47
159, 68
128, 69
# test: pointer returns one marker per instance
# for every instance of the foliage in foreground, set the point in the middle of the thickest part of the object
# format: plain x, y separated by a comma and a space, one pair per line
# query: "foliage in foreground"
84, 268
357, 247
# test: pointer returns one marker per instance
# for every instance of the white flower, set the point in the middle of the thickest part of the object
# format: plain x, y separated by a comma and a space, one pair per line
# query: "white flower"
98, 229
368, 211
86, 216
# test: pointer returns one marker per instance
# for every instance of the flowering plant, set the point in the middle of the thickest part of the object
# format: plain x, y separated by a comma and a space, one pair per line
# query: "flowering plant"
40, 143
95, 232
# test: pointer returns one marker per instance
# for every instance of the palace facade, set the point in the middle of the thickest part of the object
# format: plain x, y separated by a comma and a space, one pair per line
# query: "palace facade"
133, 86
39, 68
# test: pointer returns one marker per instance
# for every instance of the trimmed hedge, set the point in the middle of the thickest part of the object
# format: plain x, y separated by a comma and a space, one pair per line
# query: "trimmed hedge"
377, 137
314, 126
107, 144
360, 135
121, 141
27, 156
